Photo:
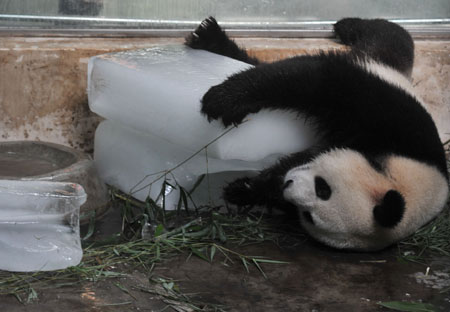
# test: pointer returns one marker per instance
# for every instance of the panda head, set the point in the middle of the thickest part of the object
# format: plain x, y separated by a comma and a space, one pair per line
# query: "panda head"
345, 203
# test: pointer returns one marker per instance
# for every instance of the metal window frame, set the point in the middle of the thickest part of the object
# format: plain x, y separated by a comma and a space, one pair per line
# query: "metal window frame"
118, 27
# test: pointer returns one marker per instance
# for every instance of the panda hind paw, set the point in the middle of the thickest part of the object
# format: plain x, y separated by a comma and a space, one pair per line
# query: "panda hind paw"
348, 30
206, 35
240, 192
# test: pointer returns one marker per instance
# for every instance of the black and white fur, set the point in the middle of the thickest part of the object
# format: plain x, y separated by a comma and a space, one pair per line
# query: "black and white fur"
377, 171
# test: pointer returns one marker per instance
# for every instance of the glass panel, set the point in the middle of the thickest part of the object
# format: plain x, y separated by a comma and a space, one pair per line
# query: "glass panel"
185, 14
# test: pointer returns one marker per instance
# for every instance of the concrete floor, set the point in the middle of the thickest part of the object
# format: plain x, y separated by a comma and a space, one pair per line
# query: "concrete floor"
315, 279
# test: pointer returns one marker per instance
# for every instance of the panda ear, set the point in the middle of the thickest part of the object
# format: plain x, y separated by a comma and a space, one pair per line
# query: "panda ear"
390, 212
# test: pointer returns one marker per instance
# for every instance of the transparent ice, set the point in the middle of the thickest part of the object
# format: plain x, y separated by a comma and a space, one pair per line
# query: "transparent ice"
151, 99
39, 225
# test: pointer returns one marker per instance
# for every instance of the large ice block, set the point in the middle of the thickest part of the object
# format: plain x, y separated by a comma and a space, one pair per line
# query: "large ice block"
158, 91
39, 225
130, 161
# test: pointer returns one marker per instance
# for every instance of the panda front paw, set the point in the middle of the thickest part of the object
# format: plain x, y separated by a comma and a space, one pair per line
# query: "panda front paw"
207, 36
240, 192
222, 102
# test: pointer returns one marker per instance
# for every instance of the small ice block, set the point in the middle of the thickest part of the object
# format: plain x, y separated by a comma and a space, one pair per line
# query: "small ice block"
158, 91
39, 225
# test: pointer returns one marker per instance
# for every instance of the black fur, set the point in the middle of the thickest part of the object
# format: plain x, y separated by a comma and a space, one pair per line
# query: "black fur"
390, 211
267, 187
210, 37
352, 108
383, 41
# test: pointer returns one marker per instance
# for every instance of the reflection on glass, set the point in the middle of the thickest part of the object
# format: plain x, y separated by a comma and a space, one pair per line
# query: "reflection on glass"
80, 7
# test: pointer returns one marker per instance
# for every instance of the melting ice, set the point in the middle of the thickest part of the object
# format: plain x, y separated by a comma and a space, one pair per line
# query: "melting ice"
39, 227
151, 99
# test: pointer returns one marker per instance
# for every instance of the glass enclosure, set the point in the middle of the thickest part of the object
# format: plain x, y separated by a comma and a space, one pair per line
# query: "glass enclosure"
172, 15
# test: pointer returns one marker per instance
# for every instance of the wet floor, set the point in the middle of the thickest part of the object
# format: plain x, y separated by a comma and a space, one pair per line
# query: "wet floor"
316, 278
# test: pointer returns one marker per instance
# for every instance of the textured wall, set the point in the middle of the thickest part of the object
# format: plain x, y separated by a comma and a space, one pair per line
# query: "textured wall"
43, 82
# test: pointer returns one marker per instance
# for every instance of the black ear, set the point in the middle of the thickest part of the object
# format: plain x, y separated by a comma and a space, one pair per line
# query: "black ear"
390, 212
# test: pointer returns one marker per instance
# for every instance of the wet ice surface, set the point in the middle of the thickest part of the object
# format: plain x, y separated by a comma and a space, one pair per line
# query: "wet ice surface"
151, 99
39, 227
316, 278
158, 91
37, 243
131, 161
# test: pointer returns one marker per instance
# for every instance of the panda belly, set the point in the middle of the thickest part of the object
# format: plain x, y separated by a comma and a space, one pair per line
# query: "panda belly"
268, 133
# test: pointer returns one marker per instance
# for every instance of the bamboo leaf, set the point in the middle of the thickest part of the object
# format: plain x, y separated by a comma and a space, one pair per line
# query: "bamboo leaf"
197, 183
168, 286
158, 252
159, 230
199, 253
91, 226
408, 306
185, 200
245, 263
212, 252
255, 262
263, 260
32, 295
221, 232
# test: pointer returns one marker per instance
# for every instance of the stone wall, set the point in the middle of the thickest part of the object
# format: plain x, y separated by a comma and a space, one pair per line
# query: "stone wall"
43, 81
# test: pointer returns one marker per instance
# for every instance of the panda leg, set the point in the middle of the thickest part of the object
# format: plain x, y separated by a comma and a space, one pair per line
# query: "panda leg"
210, 37
383, 41
266, 189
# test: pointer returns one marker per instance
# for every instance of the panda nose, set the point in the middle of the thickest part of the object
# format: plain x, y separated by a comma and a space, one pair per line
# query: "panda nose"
287, 183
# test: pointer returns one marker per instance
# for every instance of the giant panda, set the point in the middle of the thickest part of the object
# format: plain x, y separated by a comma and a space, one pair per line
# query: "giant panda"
377, 170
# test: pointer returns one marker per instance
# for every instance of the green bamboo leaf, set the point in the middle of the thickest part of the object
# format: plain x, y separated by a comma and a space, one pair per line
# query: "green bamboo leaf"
255, 262
245, 263
159, 230
212, 253
124, 289
121, 287
213, 233
262, 260
158, 252
408, 306
168, 286
184, 200
112, 274
221, 232
199, 253
150, 207
91, 226
32, 295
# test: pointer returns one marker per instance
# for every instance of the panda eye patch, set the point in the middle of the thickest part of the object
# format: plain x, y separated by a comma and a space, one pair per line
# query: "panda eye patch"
323, 190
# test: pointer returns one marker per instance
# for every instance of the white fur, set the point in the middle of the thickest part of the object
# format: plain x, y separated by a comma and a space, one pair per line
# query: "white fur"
346, 219
391, 76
